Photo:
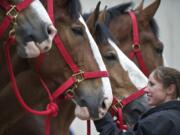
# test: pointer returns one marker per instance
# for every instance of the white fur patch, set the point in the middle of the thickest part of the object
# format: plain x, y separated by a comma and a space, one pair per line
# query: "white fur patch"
40, 11
106, 83
82, 112
135, 74
32, 50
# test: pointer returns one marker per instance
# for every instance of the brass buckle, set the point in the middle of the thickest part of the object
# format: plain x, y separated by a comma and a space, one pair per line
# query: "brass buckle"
78, 76
136, 47
117, 105
12, 12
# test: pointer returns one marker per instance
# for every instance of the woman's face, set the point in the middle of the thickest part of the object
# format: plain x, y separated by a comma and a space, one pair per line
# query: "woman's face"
155, 92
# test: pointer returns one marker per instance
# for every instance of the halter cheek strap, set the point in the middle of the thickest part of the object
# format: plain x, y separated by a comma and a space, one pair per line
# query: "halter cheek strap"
12, 12
136, 49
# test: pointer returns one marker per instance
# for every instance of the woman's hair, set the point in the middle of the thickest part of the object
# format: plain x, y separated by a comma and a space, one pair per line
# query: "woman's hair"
168, 76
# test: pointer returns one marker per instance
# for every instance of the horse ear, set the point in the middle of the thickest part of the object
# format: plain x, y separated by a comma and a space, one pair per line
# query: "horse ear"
140, 7
102, 16
91, 21
150, 11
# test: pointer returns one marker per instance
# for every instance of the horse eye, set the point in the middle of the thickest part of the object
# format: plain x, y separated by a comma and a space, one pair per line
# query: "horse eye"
159, 50
160, 47
111, 56
78, 30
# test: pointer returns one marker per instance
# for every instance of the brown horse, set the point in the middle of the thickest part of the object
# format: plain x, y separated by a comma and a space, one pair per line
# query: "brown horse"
30, 23
123, 75
33, 31
92, 97
120, 25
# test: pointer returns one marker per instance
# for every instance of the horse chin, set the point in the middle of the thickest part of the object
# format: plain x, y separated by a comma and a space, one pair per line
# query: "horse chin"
32, 50
82, 112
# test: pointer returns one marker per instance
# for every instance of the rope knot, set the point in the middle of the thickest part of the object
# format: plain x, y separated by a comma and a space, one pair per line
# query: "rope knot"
53, 108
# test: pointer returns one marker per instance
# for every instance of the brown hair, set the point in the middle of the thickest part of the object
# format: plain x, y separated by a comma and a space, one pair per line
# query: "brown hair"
168, 76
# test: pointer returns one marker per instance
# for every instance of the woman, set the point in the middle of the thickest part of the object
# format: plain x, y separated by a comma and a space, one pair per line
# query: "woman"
163, 91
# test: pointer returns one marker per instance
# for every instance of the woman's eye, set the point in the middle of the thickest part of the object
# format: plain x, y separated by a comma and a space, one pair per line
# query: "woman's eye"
78, 31
151, 83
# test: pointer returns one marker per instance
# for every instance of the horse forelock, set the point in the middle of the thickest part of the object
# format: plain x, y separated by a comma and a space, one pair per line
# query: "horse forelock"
75, 8
103, 34
154, 27
117, 10
86, 16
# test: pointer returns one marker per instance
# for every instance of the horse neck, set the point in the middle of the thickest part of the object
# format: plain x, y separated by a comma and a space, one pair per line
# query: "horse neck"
61, 124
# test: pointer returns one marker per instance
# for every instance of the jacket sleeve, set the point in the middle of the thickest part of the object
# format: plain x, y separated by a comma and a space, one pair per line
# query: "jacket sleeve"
106, 126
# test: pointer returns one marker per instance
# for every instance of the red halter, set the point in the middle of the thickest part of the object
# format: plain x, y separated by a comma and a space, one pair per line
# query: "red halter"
11, 13
136, 45
73, 81
118, 105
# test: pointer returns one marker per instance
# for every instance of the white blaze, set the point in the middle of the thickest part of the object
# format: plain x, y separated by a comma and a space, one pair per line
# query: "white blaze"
105, 80
134, 73
40, 11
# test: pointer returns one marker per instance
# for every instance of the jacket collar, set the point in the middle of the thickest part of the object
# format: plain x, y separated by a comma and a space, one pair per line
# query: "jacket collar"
171, 105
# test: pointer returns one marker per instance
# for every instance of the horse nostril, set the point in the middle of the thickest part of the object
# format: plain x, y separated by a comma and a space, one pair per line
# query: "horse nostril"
51, 30
46, 48
103, 105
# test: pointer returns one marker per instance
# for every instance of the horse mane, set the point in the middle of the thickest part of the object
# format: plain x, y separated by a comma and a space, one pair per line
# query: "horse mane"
154, 27
103, 34
86, 15
74, 8
119, 9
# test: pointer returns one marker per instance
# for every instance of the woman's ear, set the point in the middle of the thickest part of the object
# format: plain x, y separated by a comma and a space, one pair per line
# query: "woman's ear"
171, 90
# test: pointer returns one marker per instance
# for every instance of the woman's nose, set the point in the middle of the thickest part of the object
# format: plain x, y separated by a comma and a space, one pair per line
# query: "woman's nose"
146, 89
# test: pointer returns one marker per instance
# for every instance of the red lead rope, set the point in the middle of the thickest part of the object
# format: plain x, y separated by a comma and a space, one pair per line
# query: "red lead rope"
136, 45
52, 108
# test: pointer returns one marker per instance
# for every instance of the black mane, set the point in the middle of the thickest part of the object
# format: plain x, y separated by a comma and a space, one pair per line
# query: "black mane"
154, 27
75, 8
103, 34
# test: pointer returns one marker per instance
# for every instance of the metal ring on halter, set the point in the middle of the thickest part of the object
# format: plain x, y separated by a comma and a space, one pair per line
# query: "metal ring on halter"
136, 46
12, 32
117, 105
78, 76
12, 12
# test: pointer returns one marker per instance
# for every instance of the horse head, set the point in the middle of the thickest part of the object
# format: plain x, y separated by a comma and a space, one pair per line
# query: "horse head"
29, 22
92, 97
121, 26
125, 77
